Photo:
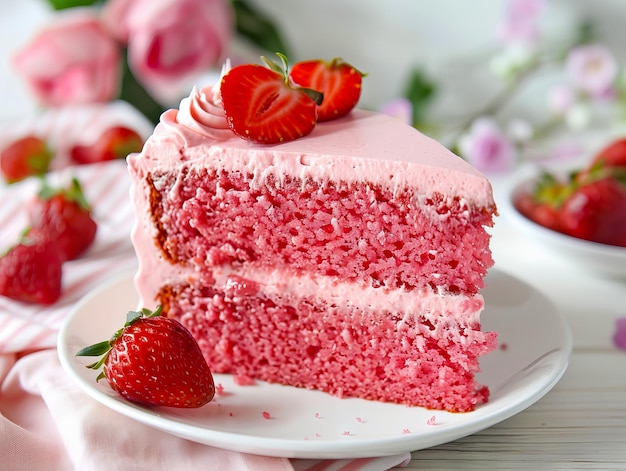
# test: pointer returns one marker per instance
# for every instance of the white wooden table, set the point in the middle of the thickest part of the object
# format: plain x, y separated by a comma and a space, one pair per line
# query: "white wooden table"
581, 423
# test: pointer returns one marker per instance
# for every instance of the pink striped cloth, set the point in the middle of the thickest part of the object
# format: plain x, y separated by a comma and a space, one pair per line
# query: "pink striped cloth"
46, 421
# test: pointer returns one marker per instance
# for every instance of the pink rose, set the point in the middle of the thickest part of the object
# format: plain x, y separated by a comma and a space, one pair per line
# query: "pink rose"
170, 42
71, 61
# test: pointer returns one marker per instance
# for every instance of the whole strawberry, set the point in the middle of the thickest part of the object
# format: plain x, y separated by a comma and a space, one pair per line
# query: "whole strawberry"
65, 215
609, 161
114, 143
154, 360
24, 157
262, 105
542, 204
31, 271
613, 155
338, 81
597, 212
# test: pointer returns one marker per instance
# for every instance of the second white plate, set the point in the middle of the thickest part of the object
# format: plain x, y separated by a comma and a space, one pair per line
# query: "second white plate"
274, 420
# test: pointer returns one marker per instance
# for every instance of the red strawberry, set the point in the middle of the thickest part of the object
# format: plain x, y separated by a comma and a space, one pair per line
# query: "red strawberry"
262, 106
541, 213
25, 157
337, 80
613, 155
541, 205
31, 271
65, 216
596, 212
114, 143
154, 360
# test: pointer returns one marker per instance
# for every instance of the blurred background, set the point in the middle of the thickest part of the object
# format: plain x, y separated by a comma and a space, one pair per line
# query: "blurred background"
460, 53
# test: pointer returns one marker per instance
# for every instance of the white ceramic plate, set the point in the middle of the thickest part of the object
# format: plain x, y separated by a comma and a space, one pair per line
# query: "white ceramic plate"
603, 259
274, 420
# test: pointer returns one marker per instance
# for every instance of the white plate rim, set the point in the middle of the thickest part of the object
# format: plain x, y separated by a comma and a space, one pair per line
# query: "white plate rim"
485, 416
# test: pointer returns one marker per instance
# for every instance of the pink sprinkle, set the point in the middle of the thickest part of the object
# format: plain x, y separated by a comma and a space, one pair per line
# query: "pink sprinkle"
243, 380
504, 346
306, 438
431, 421
317, 435
266, 415
346, 433
219, 389
405, 431
359, 420
619, 338
317, 415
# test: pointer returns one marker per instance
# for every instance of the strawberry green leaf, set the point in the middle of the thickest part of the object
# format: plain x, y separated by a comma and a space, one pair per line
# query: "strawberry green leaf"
132, 316
94, 350
63, 4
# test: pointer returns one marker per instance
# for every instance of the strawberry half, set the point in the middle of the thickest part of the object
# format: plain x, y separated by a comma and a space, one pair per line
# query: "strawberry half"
261, 104
25, 157
31, 271
337, 80
154, 360
65, 216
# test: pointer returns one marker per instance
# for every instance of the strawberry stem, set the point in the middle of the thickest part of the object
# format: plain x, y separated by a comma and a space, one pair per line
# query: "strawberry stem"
283, 70
278, 68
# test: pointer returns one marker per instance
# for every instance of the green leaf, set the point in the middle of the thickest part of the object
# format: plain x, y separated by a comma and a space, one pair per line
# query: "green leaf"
257, 27
95, 350
63, 4
132, 316
419, 91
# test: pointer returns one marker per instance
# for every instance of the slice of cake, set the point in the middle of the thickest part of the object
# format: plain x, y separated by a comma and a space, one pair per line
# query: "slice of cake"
348, 261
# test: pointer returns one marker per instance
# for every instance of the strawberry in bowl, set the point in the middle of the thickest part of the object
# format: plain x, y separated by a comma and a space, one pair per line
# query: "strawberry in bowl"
581, 213
588, 204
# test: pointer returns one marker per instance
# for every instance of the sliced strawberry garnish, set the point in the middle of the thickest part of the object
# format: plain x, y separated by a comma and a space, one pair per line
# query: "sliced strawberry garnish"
337, 80
262, 106
24, 157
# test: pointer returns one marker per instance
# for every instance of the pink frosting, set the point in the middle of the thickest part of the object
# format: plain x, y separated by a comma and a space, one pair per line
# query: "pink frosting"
363, 146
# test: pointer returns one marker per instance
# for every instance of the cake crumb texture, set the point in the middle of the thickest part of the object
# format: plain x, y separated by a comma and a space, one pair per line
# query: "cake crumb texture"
357, 232
345, 352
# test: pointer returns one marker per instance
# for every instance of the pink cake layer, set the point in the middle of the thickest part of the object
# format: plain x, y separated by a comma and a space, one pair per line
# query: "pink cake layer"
356, 232
344, 351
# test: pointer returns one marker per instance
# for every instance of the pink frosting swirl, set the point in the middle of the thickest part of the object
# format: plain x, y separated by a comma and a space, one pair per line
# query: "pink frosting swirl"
202, 112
